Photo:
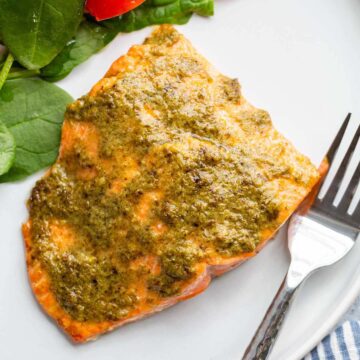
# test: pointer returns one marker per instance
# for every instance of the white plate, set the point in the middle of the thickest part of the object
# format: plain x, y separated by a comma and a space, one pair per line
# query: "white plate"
300, 61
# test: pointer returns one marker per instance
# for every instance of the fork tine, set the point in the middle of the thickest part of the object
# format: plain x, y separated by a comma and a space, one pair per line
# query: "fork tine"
356, 216
350, 191
335, 184
339, 136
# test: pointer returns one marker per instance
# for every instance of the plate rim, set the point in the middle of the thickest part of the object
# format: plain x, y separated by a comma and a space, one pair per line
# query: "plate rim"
342, 307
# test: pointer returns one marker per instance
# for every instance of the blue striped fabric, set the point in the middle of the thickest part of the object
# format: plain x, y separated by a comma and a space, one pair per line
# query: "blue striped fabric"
341, 344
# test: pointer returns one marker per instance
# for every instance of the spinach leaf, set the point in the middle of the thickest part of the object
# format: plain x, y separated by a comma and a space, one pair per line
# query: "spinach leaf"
32, 110
153, 12
6, 69
21, 73
89, 39
7, 149
35, 31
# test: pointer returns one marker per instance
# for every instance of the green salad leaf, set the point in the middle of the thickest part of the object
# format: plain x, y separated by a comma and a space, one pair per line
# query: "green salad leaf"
35, 31
153, 12
32, 110
89, 39
5, 69
7, 149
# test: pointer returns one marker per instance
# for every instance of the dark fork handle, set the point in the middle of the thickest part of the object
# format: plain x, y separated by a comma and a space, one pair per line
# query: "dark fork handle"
266, 334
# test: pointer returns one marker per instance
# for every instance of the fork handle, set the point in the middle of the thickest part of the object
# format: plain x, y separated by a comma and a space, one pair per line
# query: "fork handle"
266, 334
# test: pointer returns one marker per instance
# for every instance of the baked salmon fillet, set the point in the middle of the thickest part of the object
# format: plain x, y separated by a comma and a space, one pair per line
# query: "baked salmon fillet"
166, 177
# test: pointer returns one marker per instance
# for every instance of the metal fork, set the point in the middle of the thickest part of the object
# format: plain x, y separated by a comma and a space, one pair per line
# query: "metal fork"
319, 235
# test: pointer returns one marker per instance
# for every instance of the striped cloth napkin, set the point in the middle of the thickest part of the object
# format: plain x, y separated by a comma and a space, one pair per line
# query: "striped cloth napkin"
341, 344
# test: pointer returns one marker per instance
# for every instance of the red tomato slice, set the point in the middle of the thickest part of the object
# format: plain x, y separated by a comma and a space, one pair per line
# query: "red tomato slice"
106, 9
